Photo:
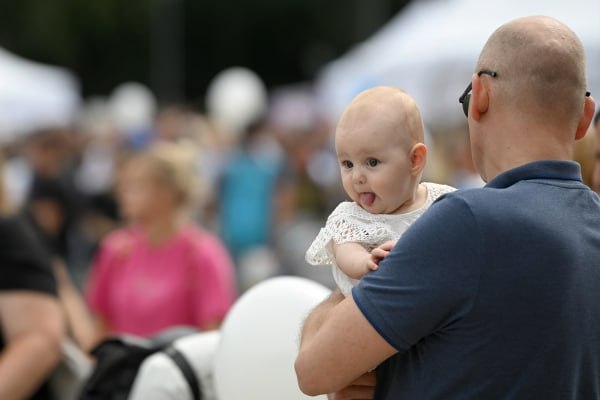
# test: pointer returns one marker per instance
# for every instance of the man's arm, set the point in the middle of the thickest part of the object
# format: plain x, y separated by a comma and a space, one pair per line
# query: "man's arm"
32, 328
363, 388
318, 316
338, 346
86, 330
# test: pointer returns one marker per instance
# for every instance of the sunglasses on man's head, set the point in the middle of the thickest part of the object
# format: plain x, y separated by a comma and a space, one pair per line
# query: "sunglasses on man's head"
466, 96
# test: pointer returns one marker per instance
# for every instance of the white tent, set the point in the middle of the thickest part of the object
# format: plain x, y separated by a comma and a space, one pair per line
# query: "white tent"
34, 96
431, 47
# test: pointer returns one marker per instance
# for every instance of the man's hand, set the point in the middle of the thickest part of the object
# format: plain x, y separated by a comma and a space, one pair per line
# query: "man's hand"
361, 389
379, 253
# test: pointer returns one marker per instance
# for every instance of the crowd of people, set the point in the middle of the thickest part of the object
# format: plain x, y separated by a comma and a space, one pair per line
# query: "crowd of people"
105, 231
135, 232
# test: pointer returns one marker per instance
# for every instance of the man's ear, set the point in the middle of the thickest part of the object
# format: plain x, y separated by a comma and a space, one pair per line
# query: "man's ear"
418, 158
480, 100
586, 118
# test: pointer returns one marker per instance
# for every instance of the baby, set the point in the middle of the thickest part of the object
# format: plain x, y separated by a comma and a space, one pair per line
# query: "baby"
379, 145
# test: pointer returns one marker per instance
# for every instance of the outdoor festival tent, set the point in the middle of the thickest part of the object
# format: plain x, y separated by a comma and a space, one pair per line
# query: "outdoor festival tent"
431, 47
34, 96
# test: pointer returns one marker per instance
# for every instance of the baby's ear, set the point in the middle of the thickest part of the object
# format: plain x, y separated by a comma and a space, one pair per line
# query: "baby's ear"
418, 158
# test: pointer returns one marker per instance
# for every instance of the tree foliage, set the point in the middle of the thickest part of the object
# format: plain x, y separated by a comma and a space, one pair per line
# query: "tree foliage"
106, 42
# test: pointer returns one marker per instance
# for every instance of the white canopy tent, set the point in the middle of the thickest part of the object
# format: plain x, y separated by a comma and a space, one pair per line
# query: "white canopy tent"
431, 47
34, 96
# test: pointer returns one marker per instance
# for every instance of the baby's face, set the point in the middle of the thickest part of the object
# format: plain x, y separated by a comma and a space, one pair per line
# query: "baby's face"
375, 164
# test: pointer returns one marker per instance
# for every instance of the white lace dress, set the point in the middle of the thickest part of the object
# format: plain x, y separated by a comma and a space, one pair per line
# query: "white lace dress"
349, 223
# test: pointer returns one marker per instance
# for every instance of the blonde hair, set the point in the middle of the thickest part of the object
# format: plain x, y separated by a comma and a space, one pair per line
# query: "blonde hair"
175, 166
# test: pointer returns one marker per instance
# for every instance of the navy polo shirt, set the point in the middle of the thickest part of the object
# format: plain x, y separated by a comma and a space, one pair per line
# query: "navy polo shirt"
494, 293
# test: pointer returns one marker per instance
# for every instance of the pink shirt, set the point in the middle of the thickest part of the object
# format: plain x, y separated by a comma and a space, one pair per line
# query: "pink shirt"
142, 289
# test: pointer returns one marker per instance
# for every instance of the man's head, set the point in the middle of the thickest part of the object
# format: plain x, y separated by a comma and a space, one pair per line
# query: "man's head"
530, 103
379, 143
596, 174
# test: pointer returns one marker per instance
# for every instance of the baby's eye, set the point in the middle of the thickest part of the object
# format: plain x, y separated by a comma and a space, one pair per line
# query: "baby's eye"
347, 164
372, 162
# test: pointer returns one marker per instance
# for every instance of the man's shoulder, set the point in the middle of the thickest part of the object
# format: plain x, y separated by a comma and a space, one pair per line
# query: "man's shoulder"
477, 200
16, 233
460, 200
468, 208
24, 261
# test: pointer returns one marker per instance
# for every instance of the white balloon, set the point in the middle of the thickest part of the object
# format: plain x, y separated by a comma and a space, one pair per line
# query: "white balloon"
235, 98
94, 117
132, 107
260, 338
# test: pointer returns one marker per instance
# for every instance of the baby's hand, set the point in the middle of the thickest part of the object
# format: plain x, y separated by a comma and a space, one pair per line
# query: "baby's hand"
379, 253
372, 263
388, 246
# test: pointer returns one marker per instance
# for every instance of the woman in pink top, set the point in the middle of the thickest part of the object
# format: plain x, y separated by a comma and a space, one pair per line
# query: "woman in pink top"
162, 270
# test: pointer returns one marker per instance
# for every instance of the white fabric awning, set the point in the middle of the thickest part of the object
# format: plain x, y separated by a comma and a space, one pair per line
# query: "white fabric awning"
431, 47
34, 96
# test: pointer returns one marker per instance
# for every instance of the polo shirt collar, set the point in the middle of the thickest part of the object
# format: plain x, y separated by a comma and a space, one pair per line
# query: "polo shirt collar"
550, 169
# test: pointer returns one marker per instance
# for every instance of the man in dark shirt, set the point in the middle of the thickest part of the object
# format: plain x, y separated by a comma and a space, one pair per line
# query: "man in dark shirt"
494, 293
31, 320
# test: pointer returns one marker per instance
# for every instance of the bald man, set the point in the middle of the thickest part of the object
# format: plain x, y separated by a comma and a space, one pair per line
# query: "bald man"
495, 292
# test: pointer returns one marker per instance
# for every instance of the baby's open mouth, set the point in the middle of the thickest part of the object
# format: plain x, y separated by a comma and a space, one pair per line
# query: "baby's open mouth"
367, 198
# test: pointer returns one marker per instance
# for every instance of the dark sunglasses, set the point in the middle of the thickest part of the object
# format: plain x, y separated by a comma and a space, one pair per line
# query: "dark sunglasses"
466, 96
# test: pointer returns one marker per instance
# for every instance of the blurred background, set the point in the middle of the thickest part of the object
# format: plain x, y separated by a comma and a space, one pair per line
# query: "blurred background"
253, 87
176, 46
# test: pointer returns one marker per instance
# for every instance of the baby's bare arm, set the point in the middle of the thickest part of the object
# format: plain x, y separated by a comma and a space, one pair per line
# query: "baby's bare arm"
353, 259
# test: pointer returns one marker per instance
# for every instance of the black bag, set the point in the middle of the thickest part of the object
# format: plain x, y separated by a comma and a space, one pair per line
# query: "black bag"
119, 358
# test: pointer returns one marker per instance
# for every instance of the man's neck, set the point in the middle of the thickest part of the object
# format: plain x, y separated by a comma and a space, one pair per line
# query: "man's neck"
522, 144
517, 162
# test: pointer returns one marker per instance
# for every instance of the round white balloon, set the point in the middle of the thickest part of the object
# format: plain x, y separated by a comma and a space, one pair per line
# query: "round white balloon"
260, 339
132, 107
235, 98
